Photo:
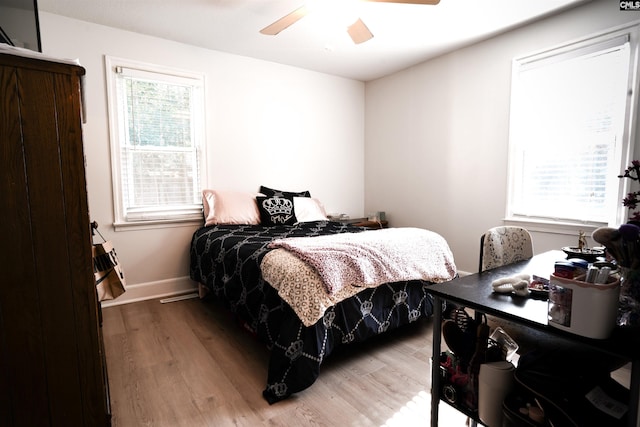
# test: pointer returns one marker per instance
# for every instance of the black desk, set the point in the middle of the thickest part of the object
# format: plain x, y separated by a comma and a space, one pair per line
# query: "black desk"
475, 292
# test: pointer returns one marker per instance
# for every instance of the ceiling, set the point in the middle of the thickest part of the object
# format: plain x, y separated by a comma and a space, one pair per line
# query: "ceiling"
404, 34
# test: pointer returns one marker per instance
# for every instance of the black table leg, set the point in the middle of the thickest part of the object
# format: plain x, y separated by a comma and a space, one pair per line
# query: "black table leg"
634, 395
435, 360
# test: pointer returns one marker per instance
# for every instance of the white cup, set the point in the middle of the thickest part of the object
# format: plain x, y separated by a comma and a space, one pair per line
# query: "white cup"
494, 383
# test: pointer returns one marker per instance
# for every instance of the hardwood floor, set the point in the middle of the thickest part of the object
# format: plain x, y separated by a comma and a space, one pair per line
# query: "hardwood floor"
187, 363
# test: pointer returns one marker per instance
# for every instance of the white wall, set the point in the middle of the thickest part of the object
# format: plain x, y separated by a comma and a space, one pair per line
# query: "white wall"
437, 134
268, 124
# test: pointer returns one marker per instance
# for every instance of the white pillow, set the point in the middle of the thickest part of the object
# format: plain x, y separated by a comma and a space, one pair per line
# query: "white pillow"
308, 209
230, 207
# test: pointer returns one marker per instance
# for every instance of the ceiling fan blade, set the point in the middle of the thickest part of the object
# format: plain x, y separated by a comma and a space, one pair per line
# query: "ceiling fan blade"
359, 32
409, 1
285, 21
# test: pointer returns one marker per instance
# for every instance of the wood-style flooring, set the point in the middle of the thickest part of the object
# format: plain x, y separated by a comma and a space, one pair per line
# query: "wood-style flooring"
188, 363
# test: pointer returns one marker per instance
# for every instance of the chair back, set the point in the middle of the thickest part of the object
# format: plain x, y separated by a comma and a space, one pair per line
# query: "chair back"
504, 245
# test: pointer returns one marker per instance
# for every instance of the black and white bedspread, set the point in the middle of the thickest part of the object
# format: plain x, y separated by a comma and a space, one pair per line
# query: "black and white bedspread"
226, 259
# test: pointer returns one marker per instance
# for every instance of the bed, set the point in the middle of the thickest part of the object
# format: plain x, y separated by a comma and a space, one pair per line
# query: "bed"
227, 257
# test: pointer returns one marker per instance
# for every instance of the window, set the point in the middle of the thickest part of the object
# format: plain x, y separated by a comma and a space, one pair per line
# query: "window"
570, 131
157, 135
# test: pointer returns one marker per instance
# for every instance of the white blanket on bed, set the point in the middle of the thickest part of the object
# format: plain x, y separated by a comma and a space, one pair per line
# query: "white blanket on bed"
305, 268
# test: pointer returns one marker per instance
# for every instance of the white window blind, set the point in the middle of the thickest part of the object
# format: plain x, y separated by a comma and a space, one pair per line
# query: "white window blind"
157, 152
569, 116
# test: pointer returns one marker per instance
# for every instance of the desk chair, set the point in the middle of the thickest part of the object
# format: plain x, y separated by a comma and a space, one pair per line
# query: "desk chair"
504, 245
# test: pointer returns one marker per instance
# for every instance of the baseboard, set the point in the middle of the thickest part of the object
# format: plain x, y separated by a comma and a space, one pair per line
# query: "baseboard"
154, 290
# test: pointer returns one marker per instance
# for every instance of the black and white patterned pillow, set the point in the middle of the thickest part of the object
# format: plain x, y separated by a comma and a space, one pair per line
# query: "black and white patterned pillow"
272, 192
276, 210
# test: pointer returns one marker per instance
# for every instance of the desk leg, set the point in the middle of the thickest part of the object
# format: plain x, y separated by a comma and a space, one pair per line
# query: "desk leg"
634, 394
435, 360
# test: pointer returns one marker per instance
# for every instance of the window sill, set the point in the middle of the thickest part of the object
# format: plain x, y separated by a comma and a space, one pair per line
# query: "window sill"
554, 227
157, 224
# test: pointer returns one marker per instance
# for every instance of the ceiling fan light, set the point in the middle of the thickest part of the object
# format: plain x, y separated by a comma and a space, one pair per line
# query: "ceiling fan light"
339, 13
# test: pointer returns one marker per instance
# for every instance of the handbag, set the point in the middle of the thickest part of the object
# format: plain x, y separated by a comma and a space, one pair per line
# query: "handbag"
110, 281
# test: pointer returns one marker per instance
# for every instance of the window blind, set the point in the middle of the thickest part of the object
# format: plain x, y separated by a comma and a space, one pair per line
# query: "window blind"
567, 122
159, 157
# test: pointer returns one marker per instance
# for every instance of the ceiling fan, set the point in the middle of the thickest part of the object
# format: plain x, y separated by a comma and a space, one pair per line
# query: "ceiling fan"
358, 31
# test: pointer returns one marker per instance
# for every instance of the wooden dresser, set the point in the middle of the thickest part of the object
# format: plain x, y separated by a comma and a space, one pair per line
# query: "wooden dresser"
52, 366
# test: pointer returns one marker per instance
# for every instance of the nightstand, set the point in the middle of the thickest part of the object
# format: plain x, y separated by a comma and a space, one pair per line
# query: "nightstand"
361, 222
364, 222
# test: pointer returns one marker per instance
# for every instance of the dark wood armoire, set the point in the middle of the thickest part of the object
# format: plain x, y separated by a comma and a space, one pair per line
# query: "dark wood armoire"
52, 366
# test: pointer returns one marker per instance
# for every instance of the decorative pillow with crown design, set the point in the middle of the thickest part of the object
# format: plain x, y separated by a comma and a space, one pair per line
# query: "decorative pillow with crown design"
272, 192
276, 210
